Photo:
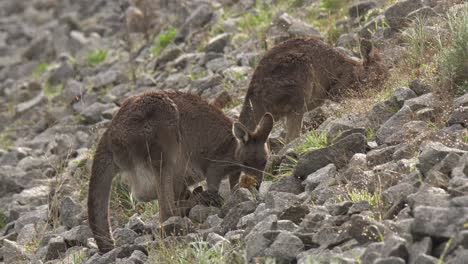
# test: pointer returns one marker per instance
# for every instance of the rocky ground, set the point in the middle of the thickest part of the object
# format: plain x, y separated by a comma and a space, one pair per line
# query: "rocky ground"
378, 177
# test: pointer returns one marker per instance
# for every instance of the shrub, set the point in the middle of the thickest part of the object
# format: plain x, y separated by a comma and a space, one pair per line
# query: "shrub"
162, 40
97, 57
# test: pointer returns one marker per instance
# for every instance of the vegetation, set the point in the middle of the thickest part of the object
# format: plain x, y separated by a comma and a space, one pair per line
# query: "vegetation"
97, 57
3, 219
197, 252
52, 90
40, 70
162, 40
312, 141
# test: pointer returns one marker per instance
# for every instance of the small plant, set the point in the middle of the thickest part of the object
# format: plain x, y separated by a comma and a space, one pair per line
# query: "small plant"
285, 169
312, 141
77, 257
40, 70
122, 200
149, 209
3, 220
162, 40
454, 59
355, 195
97, 57
51, 91
446, 248
5, 141
332, 5
370, 134
196, 252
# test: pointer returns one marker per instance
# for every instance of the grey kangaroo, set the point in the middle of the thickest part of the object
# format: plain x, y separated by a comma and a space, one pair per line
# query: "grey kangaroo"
295, 76
163, 142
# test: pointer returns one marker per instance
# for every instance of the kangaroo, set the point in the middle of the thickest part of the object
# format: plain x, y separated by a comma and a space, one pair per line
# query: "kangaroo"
295, 76
163, 142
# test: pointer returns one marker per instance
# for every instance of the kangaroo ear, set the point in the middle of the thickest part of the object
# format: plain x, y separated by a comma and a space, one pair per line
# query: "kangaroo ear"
264, 127
240, 132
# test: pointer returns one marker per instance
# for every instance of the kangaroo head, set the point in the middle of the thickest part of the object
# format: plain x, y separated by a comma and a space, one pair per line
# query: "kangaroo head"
252, 150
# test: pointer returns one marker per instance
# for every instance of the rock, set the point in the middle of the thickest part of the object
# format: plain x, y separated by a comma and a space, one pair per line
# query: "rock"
440, 223
461, 101
323, 177
236, 213
459, 116
339, 208
62, 73
396, 194
289, 184
426, 259
396, 14
213, 221
337, 128
395, 246
215, 239
382, 112
419, 88
358, 207
197, 19
200, 213
285, 248
205, 83
295, 213
372, 252
32, 217
218, 43
339, 154
255, 242
425, 12
329, 236
364, 230
393, 124
55, 248
380, 156
124, 236
105, 78
432, 153
93, 113
438, 175
419, 247
14, 253
402, 94
136, 224
429, 196
361, 8
280, 201
27, 234
177, 226
238, 196
169, 54
285, 27
317, 217
138, 257
423, 101
287, 225
72, 91
70, 212
389, 260
77, 236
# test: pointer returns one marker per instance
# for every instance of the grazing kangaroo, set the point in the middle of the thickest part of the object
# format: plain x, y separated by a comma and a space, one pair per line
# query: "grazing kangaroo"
295, 76
164, 142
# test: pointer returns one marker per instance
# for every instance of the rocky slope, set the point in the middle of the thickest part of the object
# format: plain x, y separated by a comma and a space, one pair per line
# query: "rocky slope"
381, 177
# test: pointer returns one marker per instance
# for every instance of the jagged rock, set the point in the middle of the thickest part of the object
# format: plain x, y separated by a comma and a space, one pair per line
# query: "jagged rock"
70, 212
312, 221
402, 94
280, 201
334, 128
124, 236
136, 224
425, 12
14, 253
93, 113
396, 194
27, 234
419, 247
432, 153
238, 196
358, 207
339, 154
255, 242
213, 221
289, 184
361, 8
170, 53
218, 65
77, 236
205, 83
62, 73
176, 225
429, 196
383, 111
285, 248
218, 43
287, 225
364, 230
380, 156
396, 14
438, 175
32, 217
295, 213
339, 208
104, 79
199, 213
437, 222
236, 213
329, 236
55, 248
393, 124
426, 259
423, 101
389, 260
419, 88
285, 27
197, 19
138, 257
459, 116
322, 177
72, 91
215, 239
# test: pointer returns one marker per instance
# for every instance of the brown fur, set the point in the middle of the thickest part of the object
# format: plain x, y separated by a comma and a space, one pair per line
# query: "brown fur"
163, 142
295, 76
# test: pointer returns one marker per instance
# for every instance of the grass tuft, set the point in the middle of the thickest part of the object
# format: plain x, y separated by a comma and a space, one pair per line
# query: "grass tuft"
3, 219
97, 57
312, 141
162, 40
51, 91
